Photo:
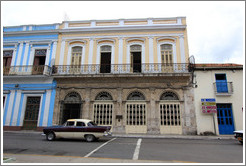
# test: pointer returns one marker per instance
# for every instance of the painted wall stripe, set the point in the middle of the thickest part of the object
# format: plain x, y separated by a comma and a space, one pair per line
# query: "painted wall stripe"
42, 110
16, 55
22, 54
46, 108
28, 55
52, 103
17, 63
6, 109
20, 110
13, 108
34, 37
51, 51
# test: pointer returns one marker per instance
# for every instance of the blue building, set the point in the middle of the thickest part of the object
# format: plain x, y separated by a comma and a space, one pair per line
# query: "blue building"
28, 88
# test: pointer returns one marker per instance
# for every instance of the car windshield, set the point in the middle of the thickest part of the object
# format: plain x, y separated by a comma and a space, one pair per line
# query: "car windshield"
91, 123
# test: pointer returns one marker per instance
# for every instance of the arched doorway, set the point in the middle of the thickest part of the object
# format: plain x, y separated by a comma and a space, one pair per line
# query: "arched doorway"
103, 109
136, 112
170, 114
71, 107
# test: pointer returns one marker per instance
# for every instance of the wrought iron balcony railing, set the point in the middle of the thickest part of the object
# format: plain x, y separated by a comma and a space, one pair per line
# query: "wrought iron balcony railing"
223, 88
27, 70
120, 69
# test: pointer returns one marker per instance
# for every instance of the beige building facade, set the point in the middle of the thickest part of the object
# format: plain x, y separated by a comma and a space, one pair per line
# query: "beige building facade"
222, 83
131, 74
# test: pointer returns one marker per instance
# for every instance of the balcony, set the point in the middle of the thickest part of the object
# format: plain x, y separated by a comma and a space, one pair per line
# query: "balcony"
120, 69
223, 88
26, 70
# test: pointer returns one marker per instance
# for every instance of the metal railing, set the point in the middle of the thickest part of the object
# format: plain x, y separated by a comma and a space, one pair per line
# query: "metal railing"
27, 70
120, 68
221, 88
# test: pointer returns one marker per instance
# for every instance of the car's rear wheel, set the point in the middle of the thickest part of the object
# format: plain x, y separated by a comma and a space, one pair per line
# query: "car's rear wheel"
90, 138
50, 136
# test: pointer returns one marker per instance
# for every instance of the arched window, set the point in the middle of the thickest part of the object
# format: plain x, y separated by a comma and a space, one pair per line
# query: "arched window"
72, 97
167, 53
136, 96
104, 96
76, 55
169, 96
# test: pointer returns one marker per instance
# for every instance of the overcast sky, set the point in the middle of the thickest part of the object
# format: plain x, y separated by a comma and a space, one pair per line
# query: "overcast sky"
216, 30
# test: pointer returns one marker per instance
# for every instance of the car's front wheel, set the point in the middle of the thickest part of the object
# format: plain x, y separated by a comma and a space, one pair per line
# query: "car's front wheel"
50, 136
90, 138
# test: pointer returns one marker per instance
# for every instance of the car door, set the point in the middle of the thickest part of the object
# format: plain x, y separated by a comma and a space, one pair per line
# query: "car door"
67, 131
80, 129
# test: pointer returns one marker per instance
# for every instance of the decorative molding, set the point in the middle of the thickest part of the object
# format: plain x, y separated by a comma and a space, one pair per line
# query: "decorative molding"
106, 39
135, 38
124, 36
166, 37
77, 40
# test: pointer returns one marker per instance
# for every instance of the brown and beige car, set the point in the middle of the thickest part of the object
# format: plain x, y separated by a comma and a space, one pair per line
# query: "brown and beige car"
77, 129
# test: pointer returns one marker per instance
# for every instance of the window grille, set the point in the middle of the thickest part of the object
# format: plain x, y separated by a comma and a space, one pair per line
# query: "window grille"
136, 48
136, 114
40, 52
103, 113
170, 114
136, 96
72, 97
104, 96
169, 96
105, 48
7, 53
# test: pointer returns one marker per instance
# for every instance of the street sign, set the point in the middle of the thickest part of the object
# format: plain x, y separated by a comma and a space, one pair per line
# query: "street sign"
209, 105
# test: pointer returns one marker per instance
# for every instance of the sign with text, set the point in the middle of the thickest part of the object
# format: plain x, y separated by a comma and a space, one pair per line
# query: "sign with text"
209, 105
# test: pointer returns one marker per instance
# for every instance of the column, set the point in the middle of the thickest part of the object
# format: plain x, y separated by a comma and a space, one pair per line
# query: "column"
151, 54
120, 59
182, 51
62, 52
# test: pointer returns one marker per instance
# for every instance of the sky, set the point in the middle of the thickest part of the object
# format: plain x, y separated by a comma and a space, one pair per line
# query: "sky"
216, 30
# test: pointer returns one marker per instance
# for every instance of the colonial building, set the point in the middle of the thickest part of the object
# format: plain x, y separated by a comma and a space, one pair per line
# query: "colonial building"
28, 88
218, 98
132, 74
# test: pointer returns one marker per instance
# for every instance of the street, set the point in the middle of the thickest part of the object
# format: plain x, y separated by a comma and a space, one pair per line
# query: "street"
180, 150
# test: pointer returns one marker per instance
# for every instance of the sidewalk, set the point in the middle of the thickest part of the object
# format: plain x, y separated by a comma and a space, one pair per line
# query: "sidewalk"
30, 158
200, 137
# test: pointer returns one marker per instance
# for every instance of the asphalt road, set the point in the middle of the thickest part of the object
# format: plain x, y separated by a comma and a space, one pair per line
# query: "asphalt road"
179, 150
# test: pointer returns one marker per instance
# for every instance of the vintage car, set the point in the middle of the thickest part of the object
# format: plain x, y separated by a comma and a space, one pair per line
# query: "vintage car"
239, 135
77, 129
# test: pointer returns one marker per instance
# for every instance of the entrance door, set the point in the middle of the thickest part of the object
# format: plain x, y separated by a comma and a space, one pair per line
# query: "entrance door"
136, 62
136, 118
225, 119
71, 111
31, 114
105, 62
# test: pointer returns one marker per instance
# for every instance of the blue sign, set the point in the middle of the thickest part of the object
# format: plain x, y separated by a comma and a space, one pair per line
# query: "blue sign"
208, 100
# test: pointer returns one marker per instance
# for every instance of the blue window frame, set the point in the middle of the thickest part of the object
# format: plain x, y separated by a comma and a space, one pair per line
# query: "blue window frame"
221, 83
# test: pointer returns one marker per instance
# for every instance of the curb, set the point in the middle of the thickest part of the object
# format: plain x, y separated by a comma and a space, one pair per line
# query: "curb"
175, 137
8, 160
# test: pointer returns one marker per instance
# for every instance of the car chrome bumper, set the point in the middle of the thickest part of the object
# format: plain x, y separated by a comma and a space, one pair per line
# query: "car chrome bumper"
107, 134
